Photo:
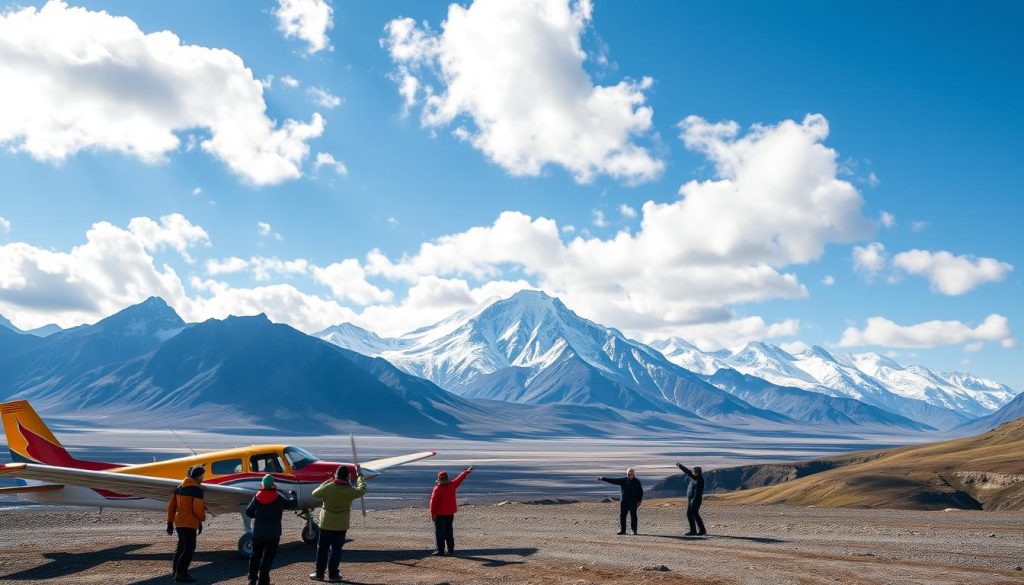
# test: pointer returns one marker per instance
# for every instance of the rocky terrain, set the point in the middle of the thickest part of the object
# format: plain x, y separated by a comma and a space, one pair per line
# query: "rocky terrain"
545, 544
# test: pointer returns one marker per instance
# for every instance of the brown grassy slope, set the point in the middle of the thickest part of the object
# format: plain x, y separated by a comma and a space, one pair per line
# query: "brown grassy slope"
984, 471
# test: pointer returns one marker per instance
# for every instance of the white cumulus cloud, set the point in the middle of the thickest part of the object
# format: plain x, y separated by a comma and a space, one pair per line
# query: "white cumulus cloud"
5, 225
883, 332
347, 281
113, 268
289, 81
949, 274
627, 211
515, 69
308, 20
323, 98
736, 332
776, 202
76, 79
869, 260
324, 159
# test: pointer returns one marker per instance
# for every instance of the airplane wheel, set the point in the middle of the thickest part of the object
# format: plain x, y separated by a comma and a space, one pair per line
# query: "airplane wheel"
245, 545
310, 532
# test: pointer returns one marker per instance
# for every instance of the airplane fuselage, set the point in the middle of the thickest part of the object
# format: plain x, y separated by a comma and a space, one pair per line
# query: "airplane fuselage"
291, 467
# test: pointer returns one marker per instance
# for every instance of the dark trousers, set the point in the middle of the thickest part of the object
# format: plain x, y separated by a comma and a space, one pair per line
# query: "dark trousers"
693, 515
186, 548
627, 508
328, 551
444, 532
262, 560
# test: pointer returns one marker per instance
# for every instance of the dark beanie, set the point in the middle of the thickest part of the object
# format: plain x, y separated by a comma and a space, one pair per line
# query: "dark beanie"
341, 472
197, 472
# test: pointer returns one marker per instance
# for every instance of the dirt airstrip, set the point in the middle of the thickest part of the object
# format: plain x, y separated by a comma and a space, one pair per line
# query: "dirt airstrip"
567, 543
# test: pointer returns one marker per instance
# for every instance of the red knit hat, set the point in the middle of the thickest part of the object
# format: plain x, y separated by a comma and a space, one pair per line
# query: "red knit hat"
442, 475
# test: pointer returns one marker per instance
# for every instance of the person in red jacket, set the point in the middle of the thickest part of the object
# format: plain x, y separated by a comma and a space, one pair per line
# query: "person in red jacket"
443, 506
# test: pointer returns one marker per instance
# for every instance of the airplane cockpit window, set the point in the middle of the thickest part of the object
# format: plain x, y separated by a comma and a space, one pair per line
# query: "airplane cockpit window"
267, 463
299, 458
226, 467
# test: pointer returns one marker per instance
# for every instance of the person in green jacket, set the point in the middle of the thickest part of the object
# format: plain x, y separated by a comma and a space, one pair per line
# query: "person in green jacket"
337, 496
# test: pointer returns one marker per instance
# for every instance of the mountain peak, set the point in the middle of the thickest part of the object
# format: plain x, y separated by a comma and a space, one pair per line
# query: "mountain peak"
532, 298
353, 337
153, 314
673, 343
819, 352
6, 323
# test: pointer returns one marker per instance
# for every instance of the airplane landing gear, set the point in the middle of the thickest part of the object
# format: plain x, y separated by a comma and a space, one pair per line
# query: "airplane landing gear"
245, 541
245, 545
311, 531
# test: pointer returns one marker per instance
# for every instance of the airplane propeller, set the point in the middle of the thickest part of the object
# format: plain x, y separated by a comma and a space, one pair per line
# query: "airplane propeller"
355, 459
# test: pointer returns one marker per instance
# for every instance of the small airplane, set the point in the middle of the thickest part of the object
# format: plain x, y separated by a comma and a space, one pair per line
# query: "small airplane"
48, 474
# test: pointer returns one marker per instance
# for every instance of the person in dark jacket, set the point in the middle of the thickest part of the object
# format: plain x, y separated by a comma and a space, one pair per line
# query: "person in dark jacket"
443, 506
632, 495
694, 498
186, 513
266, 508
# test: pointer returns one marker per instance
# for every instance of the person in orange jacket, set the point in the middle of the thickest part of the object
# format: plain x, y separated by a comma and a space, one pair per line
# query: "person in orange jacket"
186, 512
443, 506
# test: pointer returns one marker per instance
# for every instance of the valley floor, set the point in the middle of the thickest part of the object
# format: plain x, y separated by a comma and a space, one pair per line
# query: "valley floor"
517, 543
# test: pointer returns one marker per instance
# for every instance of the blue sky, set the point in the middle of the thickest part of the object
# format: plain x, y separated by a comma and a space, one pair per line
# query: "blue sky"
923, 114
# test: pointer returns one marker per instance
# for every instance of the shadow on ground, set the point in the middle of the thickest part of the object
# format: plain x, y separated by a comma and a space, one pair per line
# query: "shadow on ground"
757, 539
217, 566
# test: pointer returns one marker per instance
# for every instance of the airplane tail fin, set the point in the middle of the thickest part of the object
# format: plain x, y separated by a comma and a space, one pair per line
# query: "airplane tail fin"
28, 437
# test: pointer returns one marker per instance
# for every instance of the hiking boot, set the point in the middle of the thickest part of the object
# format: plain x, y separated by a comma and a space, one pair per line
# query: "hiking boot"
316, 577
690, 534
439, 553
621, 532
334, 579
634, 533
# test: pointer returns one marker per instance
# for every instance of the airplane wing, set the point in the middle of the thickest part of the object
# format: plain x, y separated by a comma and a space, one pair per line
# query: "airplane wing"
219, 499
378, 465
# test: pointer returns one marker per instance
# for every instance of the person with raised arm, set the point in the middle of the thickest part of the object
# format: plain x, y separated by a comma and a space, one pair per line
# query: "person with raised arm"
694, 498
632, 493
337, 495
443, 506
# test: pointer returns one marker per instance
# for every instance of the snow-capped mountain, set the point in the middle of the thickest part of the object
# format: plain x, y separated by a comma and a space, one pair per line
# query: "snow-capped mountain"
1010, 411
684, 353
531, 348
940, 399
356, 339
957, 390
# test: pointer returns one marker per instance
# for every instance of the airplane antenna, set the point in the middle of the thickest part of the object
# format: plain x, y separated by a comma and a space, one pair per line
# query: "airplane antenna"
183, 441
355, 459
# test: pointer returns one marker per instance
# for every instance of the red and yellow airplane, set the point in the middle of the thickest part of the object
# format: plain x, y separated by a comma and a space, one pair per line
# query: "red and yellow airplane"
48, 474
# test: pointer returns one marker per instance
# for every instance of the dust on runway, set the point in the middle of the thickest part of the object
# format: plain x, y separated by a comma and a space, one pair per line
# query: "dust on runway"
518, 543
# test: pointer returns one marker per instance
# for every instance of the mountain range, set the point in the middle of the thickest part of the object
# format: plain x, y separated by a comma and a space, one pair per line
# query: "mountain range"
868, 377
522, 365
531, 348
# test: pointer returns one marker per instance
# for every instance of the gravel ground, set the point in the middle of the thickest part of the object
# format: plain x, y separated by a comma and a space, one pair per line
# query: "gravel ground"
568, 543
